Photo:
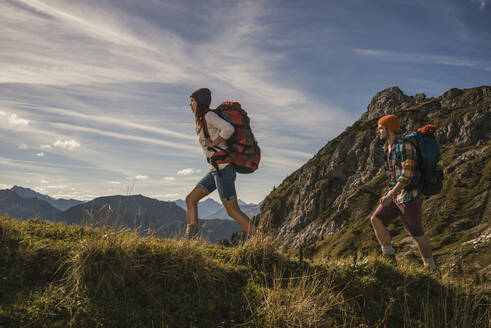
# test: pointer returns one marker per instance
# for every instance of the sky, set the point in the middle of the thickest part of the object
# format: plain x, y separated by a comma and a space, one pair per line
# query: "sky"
94, 94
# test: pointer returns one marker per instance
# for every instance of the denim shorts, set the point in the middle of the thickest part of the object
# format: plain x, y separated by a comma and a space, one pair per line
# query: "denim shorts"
224, 181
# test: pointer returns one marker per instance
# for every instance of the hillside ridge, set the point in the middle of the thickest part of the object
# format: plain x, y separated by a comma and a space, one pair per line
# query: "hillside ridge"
331, 197
56, 275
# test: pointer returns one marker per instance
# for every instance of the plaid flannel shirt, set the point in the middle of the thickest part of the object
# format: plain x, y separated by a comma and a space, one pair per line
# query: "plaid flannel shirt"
402, 169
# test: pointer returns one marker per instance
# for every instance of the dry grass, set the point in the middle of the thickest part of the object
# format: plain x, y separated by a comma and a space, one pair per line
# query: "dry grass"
305, 301
62, 276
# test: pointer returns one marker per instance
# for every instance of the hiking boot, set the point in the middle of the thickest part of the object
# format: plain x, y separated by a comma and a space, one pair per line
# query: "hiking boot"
391, 258
191, 231
432, 270
238, 238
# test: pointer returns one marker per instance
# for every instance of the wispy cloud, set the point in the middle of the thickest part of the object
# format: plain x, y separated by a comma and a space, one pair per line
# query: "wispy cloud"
247, 73
122, 96
62, 26
67, 144
30, 165
188, 172
141, 177
482, 3
170, 196
92, 27
175, 145
56, 187
423, 58
114, 120
144, 50
14, 119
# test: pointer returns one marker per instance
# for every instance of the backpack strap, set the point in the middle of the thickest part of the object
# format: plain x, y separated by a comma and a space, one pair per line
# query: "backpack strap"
412, 141
398, 158
224, 155
205, 128
207, 134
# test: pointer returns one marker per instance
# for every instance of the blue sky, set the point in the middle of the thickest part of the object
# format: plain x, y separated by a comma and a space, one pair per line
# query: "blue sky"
94, 94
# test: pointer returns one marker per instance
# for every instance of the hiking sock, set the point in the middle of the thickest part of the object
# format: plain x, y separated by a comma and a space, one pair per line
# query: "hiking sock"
429, 262
388, 250
389, 253
191, 230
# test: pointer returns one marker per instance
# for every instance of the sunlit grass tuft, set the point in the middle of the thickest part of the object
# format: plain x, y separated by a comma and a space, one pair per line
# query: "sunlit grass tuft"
54, 275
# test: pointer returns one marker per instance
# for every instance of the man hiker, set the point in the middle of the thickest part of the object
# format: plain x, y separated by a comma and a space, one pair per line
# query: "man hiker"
401, 199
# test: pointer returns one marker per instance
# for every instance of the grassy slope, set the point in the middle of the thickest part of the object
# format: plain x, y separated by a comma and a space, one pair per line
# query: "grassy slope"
53, 275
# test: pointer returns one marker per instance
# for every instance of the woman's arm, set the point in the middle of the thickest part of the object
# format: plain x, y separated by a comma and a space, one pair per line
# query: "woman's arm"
225, 128
213, 143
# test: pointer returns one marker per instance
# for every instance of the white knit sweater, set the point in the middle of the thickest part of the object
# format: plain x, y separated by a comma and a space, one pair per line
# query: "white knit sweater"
216, 127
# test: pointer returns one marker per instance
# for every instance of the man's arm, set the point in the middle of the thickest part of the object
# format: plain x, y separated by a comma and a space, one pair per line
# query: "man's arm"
392, 193
408, 162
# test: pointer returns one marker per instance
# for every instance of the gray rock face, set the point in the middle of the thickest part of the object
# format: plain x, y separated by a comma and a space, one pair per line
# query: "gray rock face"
317, 199
385, 102
390, 100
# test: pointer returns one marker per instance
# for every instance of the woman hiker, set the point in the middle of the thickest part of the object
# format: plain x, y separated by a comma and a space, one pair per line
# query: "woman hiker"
219, 130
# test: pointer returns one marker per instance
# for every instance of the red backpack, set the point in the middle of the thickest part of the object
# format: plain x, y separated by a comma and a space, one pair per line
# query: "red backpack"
243, 151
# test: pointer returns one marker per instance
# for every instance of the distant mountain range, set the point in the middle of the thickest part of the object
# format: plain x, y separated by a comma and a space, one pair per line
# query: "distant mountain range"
210, 209
61, 204
165, 219
135, 211
16, 206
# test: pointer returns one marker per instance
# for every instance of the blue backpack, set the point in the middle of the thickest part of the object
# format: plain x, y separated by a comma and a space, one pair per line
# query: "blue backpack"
428, 160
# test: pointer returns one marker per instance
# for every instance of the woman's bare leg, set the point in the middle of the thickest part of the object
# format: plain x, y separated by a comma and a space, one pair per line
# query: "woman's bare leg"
235, 212
192, 200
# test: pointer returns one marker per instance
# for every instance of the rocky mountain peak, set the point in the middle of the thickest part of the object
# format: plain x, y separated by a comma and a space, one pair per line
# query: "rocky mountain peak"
390, 100
385, 102
457, 98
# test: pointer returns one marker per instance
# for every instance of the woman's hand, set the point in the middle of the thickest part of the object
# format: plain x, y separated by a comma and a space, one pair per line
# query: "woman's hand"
214, 143
209, 143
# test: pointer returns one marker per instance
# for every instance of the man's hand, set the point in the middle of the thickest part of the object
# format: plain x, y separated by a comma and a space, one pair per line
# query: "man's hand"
385, 201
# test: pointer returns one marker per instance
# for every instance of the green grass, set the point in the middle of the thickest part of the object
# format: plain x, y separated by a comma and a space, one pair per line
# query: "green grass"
53, 275
450, 218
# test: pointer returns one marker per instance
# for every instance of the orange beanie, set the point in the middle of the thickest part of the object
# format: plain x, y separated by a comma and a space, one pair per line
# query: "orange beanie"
391, 122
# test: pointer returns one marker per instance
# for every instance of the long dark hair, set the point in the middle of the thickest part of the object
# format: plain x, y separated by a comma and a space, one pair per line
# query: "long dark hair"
200, 113
202, 96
